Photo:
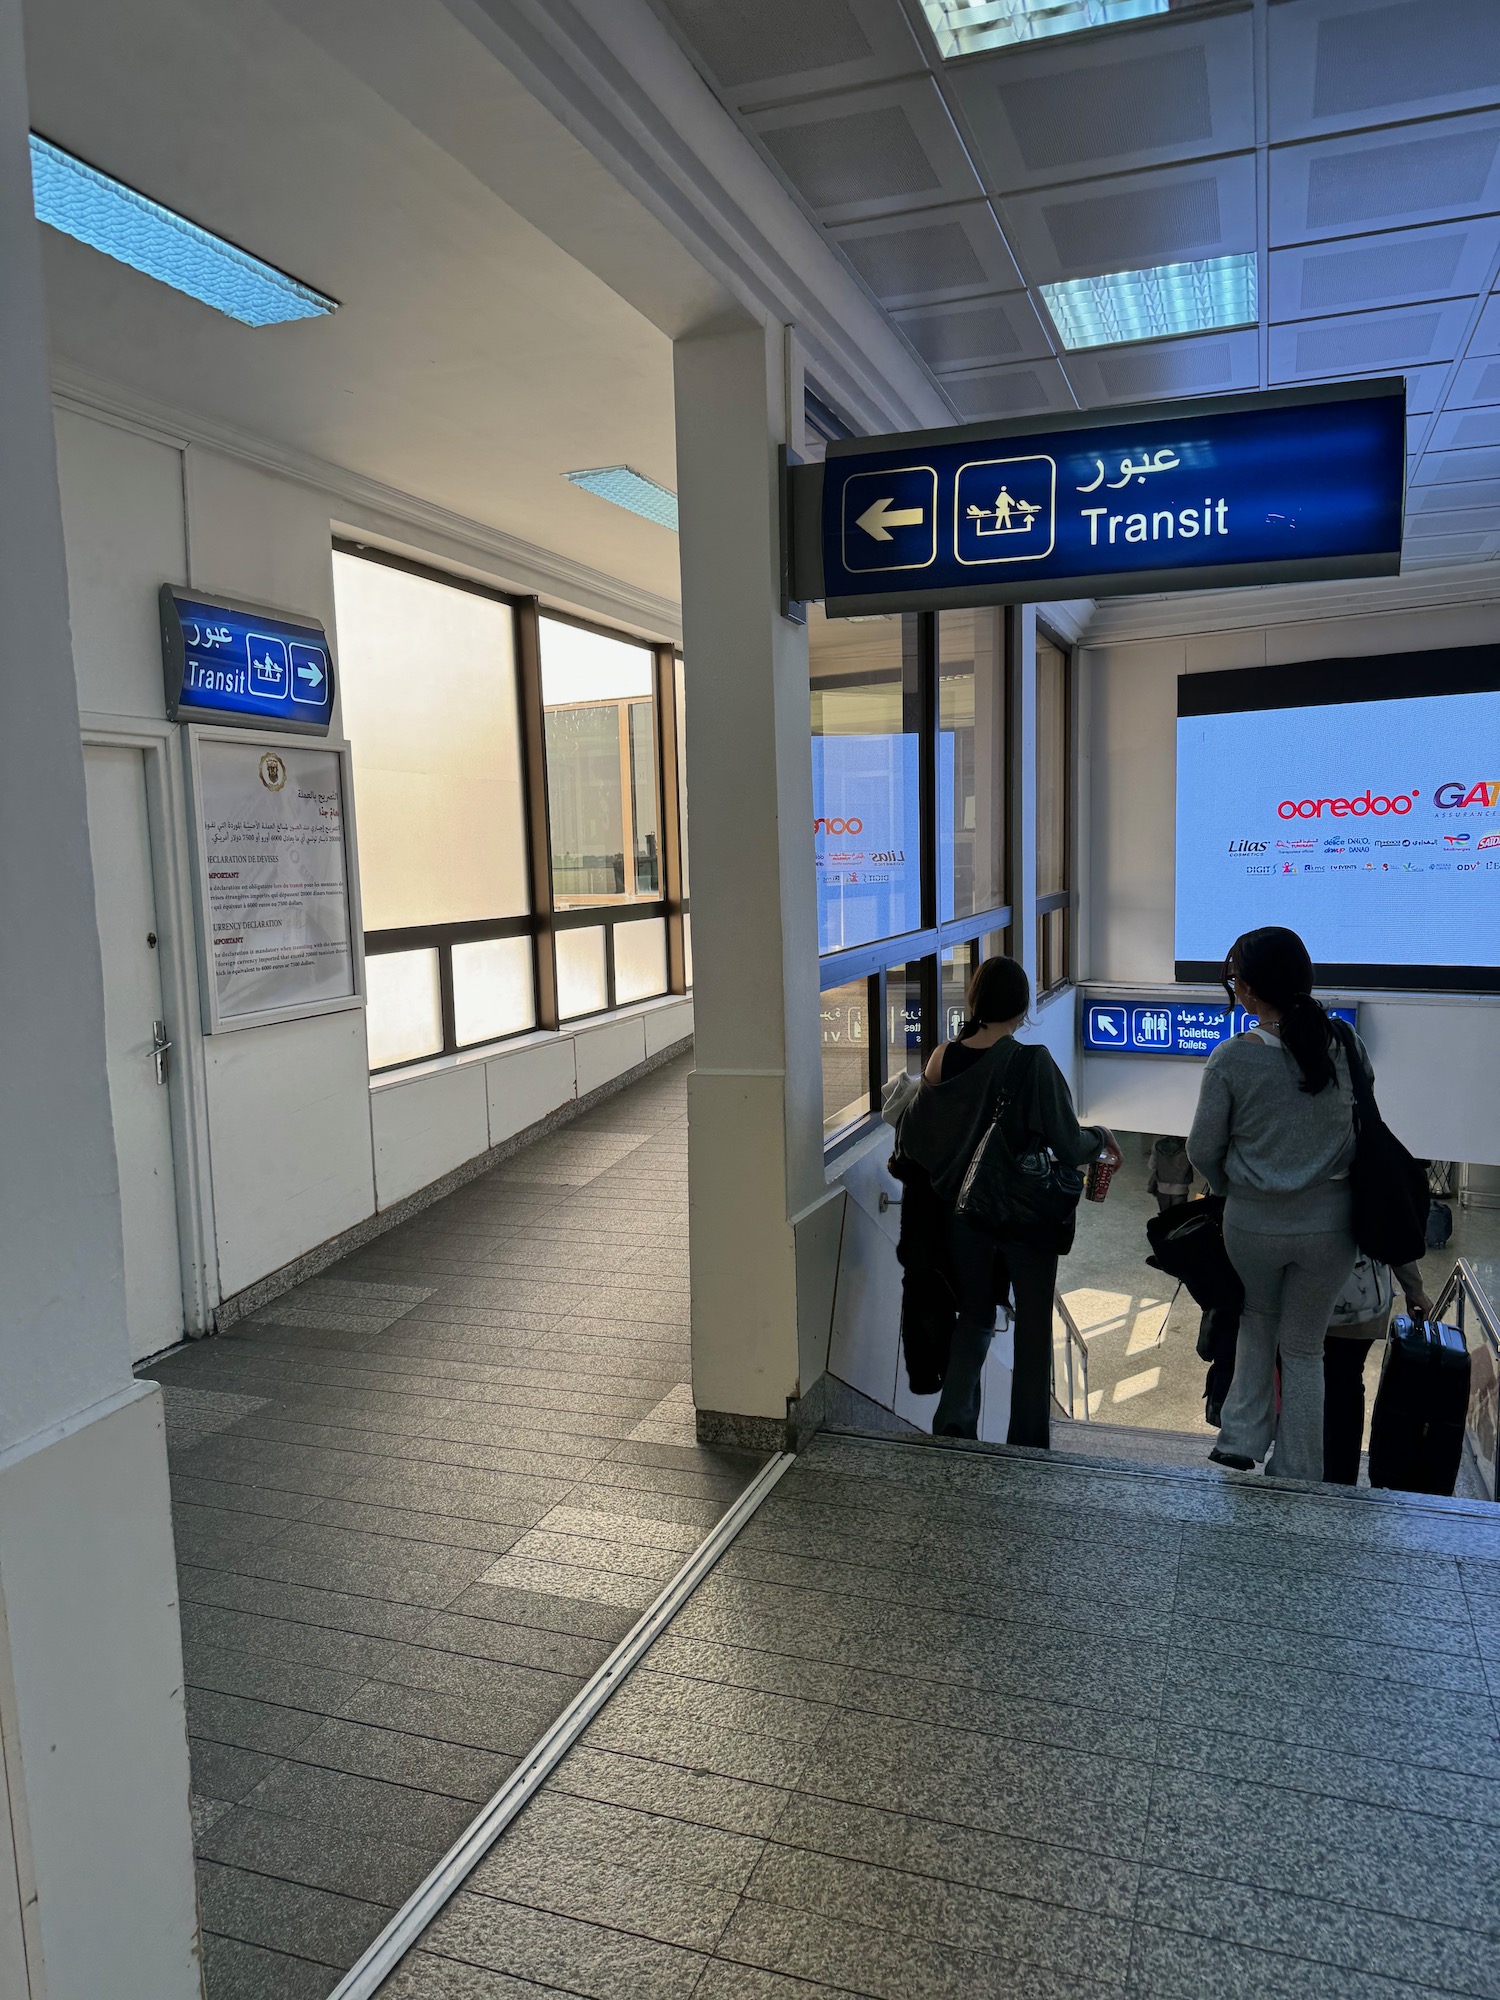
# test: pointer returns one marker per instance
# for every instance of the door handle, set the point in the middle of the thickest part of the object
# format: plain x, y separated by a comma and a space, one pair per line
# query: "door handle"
160, 1044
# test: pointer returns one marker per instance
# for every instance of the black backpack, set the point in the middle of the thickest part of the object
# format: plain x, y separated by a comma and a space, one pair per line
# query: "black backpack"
1391, 1197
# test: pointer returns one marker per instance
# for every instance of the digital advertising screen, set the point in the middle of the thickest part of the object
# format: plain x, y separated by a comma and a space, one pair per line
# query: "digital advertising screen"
1357, 802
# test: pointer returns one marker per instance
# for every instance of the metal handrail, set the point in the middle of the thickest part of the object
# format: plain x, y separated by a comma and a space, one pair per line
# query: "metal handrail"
1074, 1340
1463, 1291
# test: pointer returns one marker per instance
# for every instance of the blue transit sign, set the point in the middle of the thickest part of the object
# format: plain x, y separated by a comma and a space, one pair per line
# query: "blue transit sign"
1167, 1027
245, 667
1282, 487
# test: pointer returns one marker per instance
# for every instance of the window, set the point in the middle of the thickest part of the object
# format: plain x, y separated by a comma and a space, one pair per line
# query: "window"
867, 831
972, 699
598, 695
491, 907
910, 810
1054, 806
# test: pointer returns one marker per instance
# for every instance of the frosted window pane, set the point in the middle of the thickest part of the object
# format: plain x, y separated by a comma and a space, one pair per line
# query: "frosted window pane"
640, 959
492, 989
429, 702
404, 1013
582, 987
589, 666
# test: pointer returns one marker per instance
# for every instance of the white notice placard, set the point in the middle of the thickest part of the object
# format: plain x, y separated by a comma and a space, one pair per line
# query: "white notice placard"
275, 878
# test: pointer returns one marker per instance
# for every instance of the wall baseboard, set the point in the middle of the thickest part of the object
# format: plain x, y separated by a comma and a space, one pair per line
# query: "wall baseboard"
312, 1262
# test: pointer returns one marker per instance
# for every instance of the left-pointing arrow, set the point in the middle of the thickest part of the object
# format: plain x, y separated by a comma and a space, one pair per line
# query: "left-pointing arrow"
885, 515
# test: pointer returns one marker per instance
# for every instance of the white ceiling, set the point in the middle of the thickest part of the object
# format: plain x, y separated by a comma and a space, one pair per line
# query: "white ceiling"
1353, 144
359, 144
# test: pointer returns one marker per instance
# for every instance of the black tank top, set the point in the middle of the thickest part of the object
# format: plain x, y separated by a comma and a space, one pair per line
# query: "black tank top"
959, 1056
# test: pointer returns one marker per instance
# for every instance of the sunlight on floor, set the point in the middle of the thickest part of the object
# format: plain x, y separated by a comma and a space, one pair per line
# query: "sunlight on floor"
1137, 1385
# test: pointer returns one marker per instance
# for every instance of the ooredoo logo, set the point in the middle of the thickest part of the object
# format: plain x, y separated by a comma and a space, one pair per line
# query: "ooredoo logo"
838, 826
1367, 802
1450, 797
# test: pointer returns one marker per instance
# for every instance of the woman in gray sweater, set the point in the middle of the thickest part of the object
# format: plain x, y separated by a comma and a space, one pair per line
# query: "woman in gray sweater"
1274, 1132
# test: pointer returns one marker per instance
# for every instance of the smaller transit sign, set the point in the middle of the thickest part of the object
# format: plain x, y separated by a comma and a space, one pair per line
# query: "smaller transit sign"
236, 665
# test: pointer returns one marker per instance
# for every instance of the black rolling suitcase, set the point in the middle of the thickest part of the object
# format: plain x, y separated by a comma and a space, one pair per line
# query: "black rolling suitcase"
1417, 1431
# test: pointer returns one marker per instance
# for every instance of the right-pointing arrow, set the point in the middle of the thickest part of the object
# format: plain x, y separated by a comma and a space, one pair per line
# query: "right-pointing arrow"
313, 673
884, 515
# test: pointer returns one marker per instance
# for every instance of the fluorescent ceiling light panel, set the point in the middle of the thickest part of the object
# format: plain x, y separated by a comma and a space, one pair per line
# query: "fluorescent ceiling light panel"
108, 216
1205, 297
963, 27
631, 490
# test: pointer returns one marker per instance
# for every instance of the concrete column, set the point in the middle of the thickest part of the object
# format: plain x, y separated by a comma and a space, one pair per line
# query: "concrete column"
96, 1882
764, 1227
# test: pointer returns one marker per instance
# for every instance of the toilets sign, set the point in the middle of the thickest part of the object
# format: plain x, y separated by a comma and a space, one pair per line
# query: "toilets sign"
1283, 487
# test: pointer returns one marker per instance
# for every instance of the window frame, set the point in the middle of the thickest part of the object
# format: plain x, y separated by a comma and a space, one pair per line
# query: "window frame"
924, 948
544, 919
1060, 899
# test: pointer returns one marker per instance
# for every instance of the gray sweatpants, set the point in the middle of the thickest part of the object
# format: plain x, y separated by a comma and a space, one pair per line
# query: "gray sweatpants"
1291, 1286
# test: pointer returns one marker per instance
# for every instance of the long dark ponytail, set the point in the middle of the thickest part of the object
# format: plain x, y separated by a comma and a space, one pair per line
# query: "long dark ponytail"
1274, 963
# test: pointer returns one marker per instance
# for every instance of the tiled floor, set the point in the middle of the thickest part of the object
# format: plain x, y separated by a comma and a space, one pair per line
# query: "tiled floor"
417, 1501
948, 1723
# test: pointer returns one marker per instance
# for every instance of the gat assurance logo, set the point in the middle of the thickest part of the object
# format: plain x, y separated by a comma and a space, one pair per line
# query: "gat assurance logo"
1454, 797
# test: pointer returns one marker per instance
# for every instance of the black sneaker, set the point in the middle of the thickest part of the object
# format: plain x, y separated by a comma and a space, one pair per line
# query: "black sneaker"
1218, 1456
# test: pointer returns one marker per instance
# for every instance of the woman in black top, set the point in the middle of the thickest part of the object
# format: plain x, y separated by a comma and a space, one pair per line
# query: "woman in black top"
961, 1089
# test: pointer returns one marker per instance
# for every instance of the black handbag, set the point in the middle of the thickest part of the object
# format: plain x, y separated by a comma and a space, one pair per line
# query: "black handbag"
1014, 1190
1391, 1196
1187, 1242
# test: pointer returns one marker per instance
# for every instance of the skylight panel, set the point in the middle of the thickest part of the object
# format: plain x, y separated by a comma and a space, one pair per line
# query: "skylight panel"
630, 490
1170, 299
964, 27
78, 200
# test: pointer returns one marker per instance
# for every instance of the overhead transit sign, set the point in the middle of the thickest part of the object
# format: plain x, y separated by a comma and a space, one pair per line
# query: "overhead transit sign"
248, 668
1280, 487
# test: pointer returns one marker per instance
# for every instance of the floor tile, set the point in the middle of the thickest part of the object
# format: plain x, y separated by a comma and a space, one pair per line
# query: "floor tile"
234, 1970
582, 1958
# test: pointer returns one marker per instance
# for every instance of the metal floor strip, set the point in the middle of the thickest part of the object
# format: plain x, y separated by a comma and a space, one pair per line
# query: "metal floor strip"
366, 1976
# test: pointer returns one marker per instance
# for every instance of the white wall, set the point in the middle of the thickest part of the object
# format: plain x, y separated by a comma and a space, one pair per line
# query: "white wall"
1438, 1077
295, 1144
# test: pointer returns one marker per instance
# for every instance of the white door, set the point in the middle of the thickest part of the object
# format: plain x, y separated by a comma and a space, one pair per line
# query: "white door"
120, 836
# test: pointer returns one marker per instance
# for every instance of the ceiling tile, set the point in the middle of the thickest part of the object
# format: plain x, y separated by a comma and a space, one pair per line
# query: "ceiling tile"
1443, 468
976, 331
944, 253
779, 49
1203, 366
1133, 221
1477, 383
1049, 113
1363, 343
1451, 499
1010, 392
1446, 263
881, 151
1486, 336
1336, 66
1465, 430
1457, 521
1381, 180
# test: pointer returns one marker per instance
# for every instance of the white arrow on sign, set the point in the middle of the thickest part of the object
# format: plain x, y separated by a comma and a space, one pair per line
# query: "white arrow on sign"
313, 673
885, 515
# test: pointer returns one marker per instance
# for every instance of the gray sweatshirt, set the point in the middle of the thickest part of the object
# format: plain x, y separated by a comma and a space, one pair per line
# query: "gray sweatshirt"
1281, 1155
